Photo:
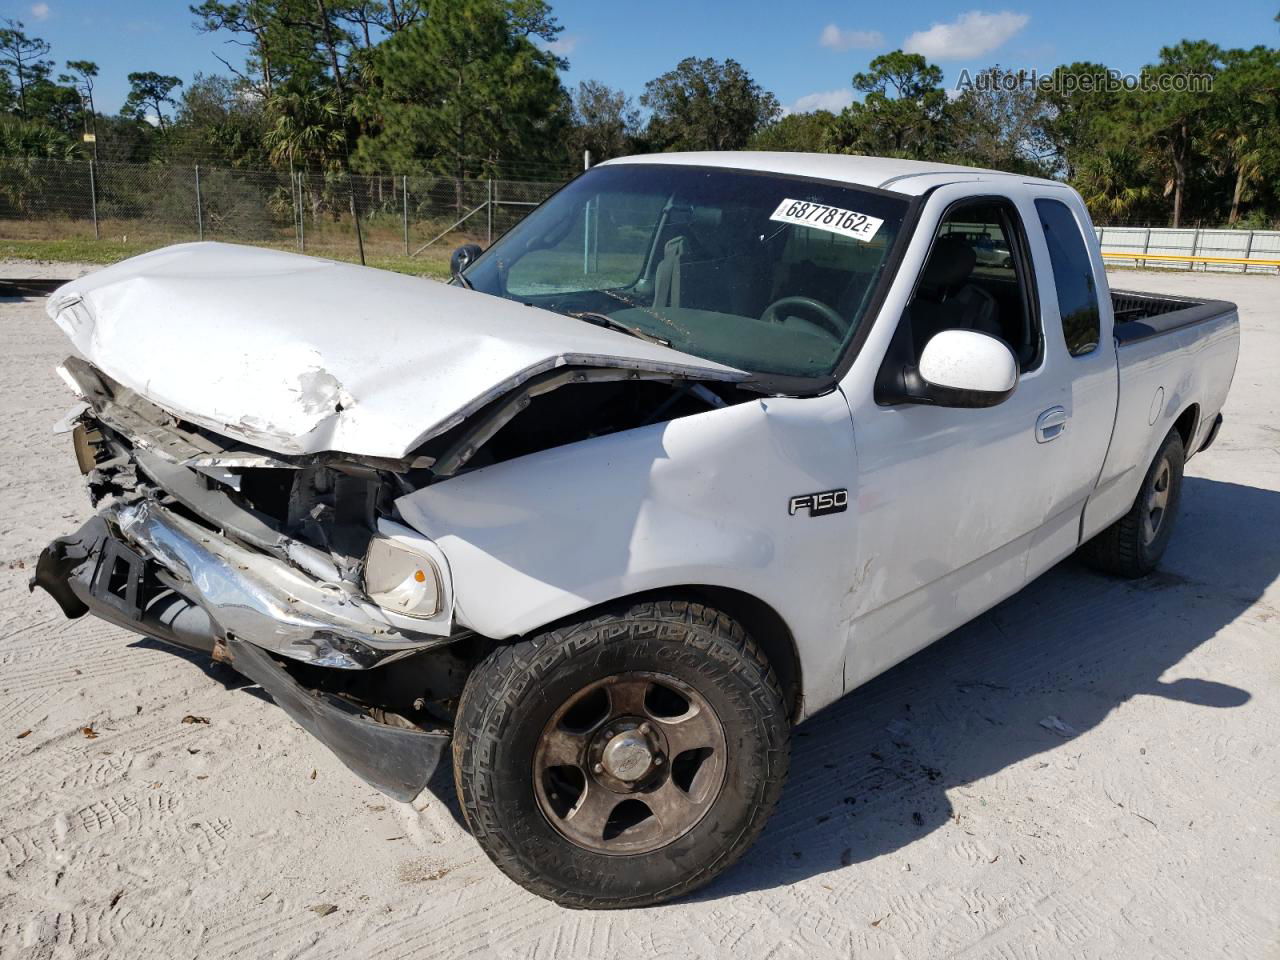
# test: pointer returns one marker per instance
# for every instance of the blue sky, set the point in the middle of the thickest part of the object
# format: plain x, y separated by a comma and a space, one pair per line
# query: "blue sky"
804, 52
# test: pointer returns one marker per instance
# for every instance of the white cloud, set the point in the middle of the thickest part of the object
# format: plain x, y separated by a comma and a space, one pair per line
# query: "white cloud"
833, 100
837, 39
40, 11
563, 45
971, 35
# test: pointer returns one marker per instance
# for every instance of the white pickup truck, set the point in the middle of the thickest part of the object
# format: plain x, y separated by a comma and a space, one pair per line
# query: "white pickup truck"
701, 445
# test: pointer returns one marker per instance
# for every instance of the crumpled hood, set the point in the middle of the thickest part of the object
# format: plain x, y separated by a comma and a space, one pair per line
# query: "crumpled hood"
300, 355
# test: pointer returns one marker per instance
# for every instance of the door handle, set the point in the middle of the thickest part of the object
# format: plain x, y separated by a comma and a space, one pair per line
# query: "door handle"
1051, 424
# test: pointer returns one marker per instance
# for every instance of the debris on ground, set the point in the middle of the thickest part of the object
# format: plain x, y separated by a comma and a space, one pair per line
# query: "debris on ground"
970, 685
89, 732
324, 909
24, 734
1056, 725
192, 718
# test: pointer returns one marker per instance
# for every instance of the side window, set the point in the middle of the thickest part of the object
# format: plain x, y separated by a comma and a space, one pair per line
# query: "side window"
991, 245
976, 279
1072, 277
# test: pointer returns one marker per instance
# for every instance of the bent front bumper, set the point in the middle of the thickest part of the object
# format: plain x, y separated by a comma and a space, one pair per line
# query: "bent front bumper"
149, 571
264, 600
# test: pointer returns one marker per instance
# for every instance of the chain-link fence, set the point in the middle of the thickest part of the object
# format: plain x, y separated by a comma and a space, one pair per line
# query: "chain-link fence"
103, 210
413, 222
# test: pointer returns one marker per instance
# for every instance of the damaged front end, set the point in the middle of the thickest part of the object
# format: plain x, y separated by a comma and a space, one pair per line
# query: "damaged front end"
290, 570
249, 497
280, 551
298, 569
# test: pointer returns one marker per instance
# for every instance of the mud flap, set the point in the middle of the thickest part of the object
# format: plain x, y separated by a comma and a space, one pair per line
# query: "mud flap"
395, 760
62, 558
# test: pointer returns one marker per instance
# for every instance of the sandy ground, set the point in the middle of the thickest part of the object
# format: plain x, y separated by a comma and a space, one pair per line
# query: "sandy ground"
930, 814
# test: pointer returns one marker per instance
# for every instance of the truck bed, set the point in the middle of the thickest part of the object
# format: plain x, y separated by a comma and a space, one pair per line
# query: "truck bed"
1175, 359
1142, 315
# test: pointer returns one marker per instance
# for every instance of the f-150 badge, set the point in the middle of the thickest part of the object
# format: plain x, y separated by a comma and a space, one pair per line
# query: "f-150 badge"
820, 504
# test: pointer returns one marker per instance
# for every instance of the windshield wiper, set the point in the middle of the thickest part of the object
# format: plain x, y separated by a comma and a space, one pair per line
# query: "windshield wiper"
604, 320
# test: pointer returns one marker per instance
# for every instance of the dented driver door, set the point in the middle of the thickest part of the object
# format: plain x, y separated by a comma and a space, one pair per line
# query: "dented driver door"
951, 498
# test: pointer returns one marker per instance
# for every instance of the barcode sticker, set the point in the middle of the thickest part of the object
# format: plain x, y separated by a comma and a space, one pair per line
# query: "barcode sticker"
820, 216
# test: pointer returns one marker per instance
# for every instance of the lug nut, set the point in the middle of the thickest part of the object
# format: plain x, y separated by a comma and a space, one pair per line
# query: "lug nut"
598, 768
644, 728
657, 761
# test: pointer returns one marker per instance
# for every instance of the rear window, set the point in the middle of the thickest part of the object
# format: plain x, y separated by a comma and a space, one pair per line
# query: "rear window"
1072, 277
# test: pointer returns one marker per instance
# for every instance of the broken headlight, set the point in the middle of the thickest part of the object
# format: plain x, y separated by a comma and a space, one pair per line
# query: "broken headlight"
401, 580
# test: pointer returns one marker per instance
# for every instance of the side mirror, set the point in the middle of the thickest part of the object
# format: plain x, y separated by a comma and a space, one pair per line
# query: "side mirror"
463, 257
963, 368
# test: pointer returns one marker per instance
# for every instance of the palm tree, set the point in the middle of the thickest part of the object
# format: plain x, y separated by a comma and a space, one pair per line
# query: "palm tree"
1246, 119
1116, 183
306, 128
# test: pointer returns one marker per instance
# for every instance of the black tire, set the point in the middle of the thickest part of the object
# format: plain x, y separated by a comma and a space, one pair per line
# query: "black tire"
1129, 548
512, 698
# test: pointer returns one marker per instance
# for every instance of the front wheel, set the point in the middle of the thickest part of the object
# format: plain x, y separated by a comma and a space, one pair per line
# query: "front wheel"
1133, 545
622, 760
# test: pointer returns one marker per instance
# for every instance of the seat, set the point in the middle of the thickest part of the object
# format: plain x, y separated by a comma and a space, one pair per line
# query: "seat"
946, 299
667, 278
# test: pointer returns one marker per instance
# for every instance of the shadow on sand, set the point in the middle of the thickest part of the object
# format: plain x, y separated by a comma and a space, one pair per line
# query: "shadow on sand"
870, 774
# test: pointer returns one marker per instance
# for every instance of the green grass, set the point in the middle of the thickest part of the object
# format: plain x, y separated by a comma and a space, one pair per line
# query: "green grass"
419, 266
71, 250
433, 262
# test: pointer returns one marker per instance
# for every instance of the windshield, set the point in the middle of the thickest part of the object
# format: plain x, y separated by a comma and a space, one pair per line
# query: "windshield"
769, 274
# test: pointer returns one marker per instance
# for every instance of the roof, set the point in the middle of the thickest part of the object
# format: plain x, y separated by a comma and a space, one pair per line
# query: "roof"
912, 177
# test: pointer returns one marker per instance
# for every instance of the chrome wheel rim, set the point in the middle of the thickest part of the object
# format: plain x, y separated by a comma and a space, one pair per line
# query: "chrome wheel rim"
629, 763
1157, 503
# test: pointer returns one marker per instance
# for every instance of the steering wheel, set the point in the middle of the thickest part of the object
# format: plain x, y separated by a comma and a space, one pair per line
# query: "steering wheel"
825, 316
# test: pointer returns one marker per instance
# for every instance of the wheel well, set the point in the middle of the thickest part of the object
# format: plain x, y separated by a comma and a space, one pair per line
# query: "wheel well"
1186, 426
767, 629
765, 626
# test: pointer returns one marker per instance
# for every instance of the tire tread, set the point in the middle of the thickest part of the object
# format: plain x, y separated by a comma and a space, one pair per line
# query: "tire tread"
498, 679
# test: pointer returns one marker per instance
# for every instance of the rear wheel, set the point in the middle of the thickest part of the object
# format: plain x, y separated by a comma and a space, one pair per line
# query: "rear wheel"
623, 760
1133, 545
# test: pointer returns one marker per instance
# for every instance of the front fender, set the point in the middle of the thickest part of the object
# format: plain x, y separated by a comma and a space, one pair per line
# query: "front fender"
702, 500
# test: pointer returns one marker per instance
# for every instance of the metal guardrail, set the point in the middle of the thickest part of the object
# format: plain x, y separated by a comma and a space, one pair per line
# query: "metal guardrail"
1221, 250
1179, 258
